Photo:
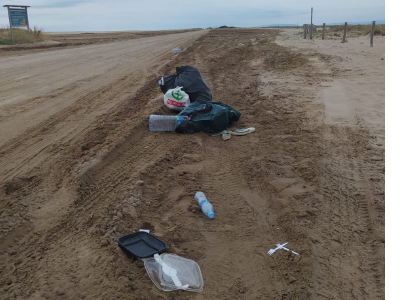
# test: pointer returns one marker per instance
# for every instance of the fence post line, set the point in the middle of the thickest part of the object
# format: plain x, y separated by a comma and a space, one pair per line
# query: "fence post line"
344, 32
323, 31
304, 31
371, 43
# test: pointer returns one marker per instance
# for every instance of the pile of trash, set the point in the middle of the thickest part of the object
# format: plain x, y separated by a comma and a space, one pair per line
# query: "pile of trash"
188, 93
185, 92
168, 272
190, 80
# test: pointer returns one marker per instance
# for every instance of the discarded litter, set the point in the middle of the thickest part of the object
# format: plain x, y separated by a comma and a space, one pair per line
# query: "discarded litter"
176, 50
191, 81
207, 116
141, 244
243, 131
202, 114
206, 207
176, 99
279, 246
162, 123
165, 123
226, 134
171, 272
198, 116
168, 272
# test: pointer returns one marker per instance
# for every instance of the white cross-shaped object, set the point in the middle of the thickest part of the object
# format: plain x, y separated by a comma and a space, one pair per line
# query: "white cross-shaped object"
279, 246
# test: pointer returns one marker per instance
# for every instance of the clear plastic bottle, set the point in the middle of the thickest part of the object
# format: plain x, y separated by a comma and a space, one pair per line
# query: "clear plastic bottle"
205, 206
165, 123
162, 123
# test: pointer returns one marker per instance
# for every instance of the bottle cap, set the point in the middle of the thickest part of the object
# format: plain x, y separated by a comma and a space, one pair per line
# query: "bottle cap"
211, 215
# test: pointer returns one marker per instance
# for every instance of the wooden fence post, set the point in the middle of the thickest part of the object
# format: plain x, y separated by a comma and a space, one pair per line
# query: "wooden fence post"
304, 31
311, 29
371, 43
323, 31
344, 32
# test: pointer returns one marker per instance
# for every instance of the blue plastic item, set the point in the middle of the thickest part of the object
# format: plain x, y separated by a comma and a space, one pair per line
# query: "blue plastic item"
206, 207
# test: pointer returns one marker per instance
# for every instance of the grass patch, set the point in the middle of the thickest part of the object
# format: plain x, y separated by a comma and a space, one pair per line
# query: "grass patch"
21, 36
6, 42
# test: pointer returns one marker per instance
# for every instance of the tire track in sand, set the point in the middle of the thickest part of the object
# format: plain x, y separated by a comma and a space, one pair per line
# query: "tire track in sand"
35, 140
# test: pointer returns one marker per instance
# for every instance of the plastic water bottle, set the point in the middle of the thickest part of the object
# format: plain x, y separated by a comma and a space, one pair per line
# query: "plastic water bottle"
162, 123
165, 123
205, 206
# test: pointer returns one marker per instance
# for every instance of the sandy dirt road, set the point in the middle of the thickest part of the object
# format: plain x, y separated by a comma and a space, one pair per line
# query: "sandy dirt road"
63, 40
312, 174
71, 87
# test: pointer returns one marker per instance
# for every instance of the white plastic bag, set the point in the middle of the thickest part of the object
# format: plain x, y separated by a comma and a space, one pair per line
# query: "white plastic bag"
176, 99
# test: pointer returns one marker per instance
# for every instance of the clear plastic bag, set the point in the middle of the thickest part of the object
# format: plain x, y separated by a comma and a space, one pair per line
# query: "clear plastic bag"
171, 272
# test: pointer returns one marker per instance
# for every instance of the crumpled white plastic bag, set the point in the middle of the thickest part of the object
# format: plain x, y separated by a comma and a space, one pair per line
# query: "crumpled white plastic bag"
176, 99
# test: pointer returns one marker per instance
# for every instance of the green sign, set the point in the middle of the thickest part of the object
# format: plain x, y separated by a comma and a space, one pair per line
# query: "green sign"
18, 17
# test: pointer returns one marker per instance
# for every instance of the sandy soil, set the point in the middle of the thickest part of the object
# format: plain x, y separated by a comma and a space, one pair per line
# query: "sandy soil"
74, 140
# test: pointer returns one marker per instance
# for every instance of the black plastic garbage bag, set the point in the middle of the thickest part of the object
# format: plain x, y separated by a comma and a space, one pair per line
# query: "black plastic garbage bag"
191, 81
207, 116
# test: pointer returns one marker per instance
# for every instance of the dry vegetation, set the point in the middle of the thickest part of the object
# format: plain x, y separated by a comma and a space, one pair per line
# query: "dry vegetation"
21, 36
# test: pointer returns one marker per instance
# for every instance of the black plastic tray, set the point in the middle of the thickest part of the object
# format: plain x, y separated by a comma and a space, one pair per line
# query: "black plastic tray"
141, 244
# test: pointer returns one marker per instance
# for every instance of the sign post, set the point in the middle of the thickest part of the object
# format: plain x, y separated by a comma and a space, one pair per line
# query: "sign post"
18, 17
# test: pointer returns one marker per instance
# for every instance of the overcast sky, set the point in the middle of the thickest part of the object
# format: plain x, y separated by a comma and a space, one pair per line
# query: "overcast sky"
73, 15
